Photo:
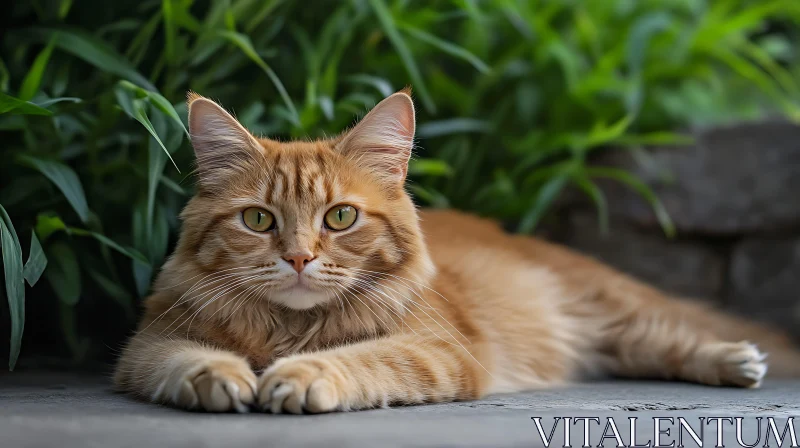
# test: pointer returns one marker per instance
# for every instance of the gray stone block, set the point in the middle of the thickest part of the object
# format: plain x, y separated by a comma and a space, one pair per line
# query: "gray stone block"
765, 281
736, 179
683, 268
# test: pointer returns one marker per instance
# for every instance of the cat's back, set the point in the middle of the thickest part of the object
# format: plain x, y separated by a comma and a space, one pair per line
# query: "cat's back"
465, 244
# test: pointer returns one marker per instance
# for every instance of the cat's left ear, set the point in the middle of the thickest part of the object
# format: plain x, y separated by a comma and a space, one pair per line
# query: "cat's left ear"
382, 141
223, 147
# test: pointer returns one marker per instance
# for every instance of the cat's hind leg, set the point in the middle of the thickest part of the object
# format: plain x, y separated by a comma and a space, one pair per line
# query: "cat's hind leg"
644, 334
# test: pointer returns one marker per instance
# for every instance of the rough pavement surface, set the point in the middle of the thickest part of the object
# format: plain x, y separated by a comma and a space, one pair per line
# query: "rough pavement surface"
65, 411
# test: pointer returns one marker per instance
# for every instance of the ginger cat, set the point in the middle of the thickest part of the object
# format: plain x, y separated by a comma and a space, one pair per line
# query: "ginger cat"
308, 261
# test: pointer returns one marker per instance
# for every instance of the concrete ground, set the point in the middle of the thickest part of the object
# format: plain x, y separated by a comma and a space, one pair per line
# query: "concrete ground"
65, 411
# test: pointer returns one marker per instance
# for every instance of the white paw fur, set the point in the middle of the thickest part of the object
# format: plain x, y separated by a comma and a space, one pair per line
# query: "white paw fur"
217, 385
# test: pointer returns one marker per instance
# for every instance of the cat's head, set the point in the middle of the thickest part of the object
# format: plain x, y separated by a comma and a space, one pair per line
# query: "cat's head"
301, 223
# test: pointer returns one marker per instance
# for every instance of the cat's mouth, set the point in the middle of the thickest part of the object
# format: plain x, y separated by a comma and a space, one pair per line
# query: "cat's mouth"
300, 295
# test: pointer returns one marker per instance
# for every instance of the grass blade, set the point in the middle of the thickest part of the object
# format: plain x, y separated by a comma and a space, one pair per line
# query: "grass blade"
95, 52
387, 23
129, 252
546, 195
598, 197
157, 100
640, 187
64, 178
32, 81
68, 99
15, 284
244, 44
447, 47
382, 85
13, 106
429, 167
136, 109
451, 126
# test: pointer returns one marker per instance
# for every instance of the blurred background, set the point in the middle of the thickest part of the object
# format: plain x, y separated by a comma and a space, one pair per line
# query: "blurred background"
658, 135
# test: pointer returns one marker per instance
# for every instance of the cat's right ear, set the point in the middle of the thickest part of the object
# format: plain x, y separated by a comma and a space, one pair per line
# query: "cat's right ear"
222, 146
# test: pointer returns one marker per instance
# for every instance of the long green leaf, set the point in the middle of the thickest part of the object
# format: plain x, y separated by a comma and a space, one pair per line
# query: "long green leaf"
32, 81
429, 167
389, 27
65, 99
11, 105
640, 187
95, 52
598, 197
15, 284
451, 126
46, 225
37, 261
546, 195
244, 44
127, 251
157, 100
136, 109
64, 178
447, 47
382, 85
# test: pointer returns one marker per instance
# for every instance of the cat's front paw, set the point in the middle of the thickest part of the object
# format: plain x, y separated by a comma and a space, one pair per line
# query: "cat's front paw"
216, 385
298, 384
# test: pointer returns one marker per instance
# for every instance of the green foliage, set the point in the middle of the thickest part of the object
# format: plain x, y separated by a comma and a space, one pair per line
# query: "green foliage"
514, 96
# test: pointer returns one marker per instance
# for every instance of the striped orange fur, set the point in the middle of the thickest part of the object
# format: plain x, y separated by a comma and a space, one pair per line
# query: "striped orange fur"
403, 306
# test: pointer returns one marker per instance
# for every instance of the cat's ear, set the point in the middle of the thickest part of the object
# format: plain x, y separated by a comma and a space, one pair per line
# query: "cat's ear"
221, 144
382, 141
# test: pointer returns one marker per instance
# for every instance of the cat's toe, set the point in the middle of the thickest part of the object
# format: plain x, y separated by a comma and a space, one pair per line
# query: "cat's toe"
223, 388
738, 364
218, 385
744, 365
298, 386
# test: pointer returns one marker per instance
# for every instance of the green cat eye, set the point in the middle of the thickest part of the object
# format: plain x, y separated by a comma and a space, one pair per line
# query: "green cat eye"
340, 217
258, 219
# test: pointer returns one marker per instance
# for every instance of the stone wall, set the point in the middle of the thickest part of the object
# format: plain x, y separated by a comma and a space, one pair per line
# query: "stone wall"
735, 199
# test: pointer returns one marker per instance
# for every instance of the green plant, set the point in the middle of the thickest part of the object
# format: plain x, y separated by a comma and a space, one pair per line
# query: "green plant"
514, 96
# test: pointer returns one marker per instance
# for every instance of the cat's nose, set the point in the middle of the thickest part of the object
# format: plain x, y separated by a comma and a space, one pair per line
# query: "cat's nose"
299, 261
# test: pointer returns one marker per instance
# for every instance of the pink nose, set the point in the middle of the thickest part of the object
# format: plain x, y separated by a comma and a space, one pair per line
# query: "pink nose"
299, 262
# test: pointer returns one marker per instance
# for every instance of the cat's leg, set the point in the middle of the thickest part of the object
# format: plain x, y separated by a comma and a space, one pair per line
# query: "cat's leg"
647, 335
401, 369
185, 374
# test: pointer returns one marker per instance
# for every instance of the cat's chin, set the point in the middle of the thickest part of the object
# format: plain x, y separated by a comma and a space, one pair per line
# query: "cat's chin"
299, 297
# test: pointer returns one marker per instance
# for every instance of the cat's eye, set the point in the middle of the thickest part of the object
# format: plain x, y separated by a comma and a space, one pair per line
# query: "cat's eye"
258, 219
340, 217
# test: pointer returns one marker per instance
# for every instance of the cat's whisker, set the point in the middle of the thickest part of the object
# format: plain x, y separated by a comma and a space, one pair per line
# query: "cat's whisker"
239, 296
227, 284
423, 323
222, 293
428, 306
355, 296
446, 331
213, 273
181, 300
350, 306
370, 289
250, 297
405, 279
